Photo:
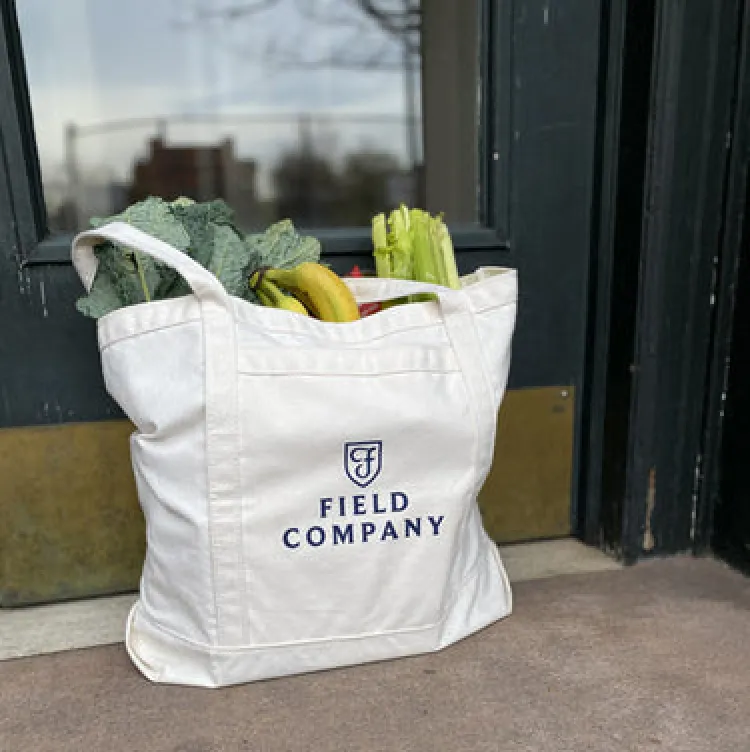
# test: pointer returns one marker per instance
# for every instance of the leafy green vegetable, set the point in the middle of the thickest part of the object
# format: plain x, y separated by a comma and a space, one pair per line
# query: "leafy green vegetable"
123, 277
132, 276
282, 247
230, 260
102, 299
199, 220
206, 232
154, 216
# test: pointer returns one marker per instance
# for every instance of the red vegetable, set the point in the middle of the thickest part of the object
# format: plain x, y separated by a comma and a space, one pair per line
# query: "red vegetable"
365, 309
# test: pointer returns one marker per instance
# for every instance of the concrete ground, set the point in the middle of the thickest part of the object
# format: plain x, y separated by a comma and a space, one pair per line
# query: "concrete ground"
654, 657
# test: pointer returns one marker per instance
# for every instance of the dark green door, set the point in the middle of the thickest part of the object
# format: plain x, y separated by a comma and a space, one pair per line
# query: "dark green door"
325, 112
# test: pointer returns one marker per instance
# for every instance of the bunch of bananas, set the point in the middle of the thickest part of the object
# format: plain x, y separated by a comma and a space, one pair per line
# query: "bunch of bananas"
308, 289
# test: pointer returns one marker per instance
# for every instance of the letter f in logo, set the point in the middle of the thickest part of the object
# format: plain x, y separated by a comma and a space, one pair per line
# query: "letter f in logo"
363, 461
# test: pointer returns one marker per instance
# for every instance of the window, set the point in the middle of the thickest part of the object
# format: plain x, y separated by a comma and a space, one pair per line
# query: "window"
324, 111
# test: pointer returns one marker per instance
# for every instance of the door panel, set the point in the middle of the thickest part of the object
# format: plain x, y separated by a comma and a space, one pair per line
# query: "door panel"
69, 515
527, 493
77, 530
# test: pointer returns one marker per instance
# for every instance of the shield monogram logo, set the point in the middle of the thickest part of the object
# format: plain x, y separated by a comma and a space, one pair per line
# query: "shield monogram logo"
362, 461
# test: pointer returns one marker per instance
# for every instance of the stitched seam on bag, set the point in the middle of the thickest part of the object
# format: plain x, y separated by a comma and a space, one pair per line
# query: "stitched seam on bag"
159, 328
144, 479
295, 332
245, 627
279, 330
494, 306
239, 313
355, 360
474, 413
209, 522
216, 650
395, 331
487, 387
348, 374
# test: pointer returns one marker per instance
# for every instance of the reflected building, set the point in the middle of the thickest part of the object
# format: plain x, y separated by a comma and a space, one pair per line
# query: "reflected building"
201, 172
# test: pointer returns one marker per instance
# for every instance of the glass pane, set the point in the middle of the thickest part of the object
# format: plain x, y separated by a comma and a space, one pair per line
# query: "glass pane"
308, 109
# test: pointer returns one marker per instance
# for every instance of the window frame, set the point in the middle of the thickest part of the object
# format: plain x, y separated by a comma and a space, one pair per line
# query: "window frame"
19, 157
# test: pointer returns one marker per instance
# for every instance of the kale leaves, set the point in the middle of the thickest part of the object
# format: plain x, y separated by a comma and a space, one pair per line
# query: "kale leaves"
207, 233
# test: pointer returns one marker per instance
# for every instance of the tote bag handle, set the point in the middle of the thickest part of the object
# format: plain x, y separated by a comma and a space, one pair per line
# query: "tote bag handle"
460, 324
203, 283
223, 435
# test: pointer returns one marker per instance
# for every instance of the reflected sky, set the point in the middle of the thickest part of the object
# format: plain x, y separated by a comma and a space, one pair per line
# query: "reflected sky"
91, 61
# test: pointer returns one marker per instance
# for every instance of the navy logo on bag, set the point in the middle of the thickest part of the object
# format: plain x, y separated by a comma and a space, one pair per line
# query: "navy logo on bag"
362, 461
350, 519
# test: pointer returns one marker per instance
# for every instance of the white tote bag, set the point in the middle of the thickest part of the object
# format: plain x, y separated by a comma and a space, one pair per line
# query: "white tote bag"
309, 488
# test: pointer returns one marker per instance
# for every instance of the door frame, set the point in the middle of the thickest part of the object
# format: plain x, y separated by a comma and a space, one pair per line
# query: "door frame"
667, 264
541, 150
666, 177
712, 530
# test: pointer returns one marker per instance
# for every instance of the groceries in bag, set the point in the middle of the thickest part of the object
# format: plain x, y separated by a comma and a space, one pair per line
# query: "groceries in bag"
278, 268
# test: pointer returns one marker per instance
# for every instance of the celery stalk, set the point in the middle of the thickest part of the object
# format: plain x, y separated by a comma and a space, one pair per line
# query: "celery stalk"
422, 255
404, 211
425, 269
447, 256
438, 266
380, 244
400, 244
411, 244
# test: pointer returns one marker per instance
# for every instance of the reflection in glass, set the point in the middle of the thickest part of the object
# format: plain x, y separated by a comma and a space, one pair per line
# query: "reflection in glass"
309, 109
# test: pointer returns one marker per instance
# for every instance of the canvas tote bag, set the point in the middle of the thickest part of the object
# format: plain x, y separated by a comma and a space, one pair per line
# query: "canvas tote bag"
309, 488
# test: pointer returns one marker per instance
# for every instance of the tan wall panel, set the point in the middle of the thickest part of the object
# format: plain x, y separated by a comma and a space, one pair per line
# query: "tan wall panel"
70, 524
527, 493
